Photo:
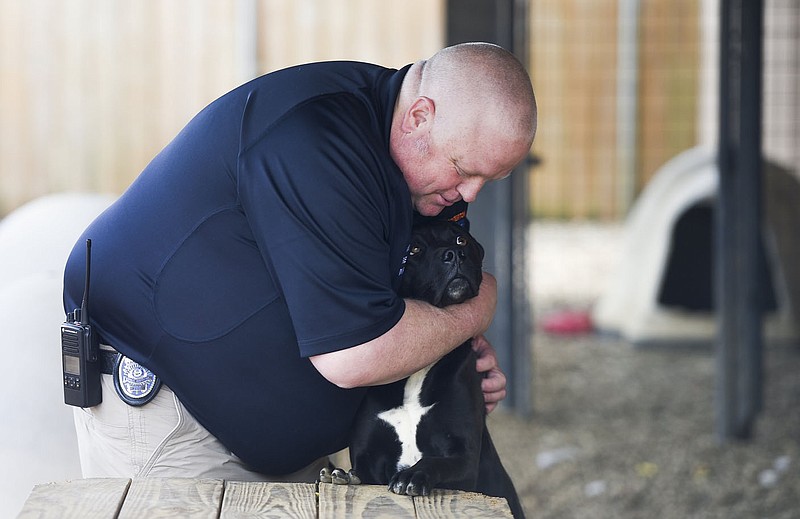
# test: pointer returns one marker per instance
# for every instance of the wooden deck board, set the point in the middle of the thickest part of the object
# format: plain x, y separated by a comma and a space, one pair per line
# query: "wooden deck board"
261, 499
454, 503
173, 497
363, 501
79, 499
154, 498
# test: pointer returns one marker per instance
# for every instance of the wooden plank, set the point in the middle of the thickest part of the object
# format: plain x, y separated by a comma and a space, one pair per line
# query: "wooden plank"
262, 499
457, 504
365, 501
80, 498
173, 497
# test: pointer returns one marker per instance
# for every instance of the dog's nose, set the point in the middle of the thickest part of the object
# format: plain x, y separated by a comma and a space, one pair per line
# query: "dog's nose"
453, 256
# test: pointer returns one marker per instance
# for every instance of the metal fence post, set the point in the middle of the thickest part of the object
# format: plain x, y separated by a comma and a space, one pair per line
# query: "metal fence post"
739, 306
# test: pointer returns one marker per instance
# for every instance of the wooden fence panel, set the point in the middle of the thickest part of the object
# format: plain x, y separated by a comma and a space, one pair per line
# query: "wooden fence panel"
669, 41
574, 69
390, 33
573, 66
91, 90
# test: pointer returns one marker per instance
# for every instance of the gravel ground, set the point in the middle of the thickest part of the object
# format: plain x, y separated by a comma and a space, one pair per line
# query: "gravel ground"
620, 432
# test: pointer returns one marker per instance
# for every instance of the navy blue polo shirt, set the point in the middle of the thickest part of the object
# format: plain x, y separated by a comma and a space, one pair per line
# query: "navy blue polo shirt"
271, 229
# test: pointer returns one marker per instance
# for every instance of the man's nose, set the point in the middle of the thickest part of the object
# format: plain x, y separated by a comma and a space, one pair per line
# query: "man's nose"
469, 189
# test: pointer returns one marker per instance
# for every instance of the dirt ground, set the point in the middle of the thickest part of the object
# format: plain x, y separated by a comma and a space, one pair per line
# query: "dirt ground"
621, 432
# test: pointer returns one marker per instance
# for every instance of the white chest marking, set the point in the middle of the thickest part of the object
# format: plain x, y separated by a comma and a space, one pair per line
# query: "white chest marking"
405, 419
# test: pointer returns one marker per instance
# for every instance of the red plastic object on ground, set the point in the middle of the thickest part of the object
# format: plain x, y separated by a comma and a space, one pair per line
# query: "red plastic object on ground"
568, 322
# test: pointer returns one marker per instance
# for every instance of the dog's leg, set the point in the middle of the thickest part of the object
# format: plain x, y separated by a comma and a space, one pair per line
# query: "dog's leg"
374, 449
493, 480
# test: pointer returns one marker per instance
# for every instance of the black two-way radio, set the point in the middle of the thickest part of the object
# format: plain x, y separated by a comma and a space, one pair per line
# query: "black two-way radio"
79, 351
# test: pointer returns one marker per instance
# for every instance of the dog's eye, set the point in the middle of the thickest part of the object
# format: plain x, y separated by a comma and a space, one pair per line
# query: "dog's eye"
415, 249
461, 241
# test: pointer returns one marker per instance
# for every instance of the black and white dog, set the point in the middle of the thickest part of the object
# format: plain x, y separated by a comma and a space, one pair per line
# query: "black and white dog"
429, 430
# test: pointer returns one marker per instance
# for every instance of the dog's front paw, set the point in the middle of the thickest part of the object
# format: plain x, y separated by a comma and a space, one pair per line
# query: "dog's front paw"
338, 477
411, 483
325, 475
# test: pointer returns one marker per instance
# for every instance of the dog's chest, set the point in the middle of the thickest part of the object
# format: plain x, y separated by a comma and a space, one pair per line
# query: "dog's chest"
405, 418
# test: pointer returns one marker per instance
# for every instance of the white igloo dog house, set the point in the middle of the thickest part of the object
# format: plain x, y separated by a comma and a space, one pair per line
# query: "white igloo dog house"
662, 291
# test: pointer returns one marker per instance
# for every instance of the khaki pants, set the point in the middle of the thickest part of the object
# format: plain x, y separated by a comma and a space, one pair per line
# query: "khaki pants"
159, 439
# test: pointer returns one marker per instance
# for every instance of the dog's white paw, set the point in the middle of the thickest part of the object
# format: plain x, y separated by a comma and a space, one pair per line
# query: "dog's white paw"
338, 477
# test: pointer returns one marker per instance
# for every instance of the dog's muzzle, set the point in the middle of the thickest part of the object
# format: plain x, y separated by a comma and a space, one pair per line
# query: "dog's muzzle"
459, 290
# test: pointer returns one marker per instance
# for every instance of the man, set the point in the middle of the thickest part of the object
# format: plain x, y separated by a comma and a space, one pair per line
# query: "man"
252, 266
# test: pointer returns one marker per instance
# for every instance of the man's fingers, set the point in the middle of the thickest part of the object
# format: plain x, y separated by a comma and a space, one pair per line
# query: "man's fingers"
493, 382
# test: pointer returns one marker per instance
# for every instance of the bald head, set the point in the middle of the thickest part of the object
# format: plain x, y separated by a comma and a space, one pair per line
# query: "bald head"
480, 81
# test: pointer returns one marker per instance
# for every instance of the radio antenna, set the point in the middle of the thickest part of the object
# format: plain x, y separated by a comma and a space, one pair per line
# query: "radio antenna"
85, 302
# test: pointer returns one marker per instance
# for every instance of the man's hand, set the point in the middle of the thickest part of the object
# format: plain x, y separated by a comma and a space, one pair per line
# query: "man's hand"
494, 380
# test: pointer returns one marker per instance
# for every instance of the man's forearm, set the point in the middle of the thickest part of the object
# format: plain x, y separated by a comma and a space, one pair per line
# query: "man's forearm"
422, 336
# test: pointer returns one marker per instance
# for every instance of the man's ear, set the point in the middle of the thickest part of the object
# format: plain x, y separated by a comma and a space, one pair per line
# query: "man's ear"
419, 114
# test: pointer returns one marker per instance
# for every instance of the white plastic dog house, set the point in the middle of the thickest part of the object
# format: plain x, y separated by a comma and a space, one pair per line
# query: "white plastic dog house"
38, 436
662, 291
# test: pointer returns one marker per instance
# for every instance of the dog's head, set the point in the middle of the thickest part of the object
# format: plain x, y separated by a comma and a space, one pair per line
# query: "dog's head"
444, 264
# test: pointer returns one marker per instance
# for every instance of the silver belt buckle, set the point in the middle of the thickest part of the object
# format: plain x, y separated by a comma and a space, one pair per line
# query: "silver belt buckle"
135, 384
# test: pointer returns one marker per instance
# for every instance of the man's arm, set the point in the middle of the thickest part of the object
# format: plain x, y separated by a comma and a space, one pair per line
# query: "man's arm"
423, 335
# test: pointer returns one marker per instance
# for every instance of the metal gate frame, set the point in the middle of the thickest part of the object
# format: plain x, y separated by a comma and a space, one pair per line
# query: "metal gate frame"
499, 217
